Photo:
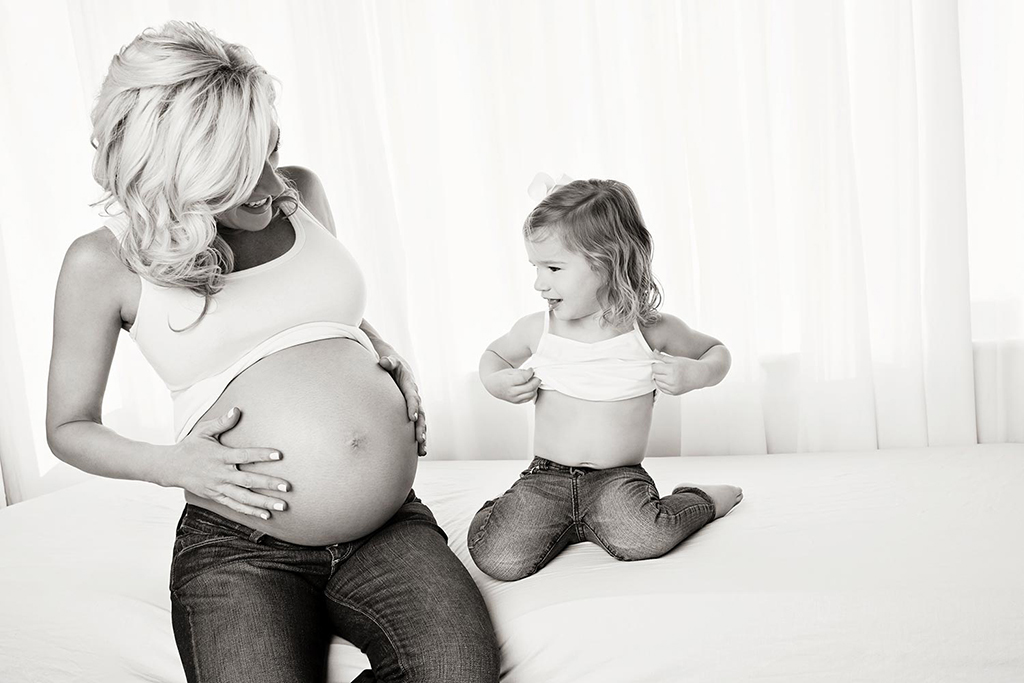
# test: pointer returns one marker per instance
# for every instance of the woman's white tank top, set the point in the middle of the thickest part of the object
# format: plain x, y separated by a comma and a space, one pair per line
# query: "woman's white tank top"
609, 370
313, 291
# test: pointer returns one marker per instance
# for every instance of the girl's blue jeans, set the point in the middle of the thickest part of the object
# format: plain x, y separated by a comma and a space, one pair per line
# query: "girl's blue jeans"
552, 505
249, 607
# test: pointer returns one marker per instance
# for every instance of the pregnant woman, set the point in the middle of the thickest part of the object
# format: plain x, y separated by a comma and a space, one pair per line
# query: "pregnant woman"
297, 426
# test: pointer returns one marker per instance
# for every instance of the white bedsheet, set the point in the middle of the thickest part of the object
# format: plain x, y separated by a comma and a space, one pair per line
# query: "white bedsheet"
901, 565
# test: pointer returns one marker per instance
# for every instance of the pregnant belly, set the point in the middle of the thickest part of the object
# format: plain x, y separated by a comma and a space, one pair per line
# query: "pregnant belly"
340, 423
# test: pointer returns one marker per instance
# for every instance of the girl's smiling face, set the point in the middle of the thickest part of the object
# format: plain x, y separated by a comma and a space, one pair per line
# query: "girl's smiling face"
564, 278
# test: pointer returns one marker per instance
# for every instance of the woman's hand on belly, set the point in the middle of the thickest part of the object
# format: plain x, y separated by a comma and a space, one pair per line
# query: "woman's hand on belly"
205, 468
400, 371
342, 426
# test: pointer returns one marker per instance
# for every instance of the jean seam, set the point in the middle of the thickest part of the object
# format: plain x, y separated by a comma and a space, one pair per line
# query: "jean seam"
544, 559
399, 655
192, 643
708, 501
487, 522
471, 542
576, 520
494, 504
601, 542
676, 513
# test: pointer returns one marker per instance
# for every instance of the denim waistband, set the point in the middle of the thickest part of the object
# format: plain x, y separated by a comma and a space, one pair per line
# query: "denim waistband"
543, 464
201, 514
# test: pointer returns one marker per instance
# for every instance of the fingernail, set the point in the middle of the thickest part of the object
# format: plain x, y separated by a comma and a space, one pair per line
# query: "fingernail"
279, 506
264, 515
282, 487
415, 416
275, 456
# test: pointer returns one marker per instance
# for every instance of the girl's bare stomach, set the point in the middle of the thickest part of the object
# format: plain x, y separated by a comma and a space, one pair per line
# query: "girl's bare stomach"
599, 434
340, 423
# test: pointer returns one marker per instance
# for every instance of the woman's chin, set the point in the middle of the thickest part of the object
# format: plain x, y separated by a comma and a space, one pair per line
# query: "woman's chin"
240, 219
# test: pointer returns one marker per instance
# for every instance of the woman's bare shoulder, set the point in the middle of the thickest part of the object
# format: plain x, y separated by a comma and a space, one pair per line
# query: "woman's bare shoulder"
92, 264
311, 193
95, 252
306, 181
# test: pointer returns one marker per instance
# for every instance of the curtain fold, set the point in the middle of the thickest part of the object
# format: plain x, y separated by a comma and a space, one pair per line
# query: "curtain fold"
809, 171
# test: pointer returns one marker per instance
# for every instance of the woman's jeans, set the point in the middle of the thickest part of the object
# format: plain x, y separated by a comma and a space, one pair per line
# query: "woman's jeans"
248, 607
552, 505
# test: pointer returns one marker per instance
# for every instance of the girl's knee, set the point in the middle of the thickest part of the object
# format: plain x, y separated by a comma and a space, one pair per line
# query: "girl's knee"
479, 520
496, 548
503, 564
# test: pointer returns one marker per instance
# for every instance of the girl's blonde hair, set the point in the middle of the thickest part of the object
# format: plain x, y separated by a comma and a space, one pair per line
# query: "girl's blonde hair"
600, 220
181, 127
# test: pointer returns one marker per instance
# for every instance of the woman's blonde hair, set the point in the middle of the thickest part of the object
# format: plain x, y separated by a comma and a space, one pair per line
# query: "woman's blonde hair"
600, 220
181, 127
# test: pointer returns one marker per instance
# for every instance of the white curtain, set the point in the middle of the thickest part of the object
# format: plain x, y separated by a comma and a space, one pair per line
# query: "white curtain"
812, 173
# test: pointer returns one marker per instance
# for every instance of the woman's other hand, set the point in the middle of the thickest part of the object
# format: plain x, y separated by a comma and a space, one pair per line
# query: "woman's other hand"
402, 374
203, 466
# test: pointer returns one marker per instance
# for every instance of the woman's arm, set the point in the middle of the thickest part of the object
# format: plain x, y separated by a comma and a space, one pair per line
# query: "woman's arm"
86, 321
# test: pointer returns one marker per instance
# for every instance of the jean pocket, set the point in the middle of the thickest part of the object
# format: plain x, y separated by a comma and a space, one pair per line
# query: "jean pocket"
197, 552
191, 538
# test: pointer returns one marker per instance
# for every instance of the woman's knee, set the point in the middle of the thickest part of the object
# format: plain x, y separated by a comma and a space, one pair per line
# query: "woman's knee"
469, 655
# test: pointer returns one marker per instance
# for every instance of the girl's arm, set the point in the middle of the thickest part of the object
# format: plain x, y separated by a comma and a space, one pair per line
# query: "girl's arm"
86, 322
688, 359
499, 362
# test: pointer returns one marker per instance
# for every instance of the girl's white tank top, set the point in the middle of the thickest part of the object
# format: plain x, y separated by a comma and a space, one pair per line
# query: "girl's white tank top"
609, 370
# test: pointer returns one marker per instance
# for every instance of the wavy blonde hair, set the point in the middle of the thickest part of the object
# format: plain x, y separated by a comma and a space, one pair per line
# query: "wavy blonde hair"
601, 220
180, 128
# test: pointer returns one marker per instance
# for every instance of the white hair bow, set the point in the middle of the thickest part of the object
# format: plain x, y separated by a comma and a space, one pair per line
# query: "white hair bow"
543, 184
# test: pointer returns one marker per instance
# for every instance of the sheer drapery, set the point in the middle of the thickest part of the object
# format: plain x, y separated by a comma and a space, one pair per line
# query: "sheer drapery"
807, 169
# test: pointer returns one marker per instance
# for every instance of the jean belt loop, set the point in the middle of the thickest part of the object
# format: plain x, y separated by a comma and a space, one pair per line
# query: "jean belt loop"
256, 536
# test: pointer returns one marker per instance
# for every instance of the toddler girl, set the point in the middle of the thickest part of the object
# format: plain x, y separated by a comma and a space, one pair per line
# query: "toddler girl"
594, 361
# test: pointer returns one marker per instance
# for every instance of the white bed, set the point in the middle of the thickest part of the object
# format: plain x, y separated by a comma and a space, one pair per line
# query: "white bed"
901, 565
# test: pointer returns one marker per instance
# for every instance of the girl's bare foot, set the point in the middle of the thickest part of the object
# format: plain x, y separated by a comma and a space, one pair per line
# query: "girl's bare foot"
726, 497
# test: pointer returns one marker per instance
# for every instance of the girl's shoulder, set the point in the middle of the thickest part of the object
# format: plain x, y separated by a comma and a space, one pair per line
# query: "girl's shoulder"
528, 329
671, 335
662, 329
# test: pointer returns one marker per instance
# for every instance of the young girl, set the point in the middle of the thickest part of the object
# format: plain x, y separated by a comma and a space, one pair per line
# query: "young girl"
594, 361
